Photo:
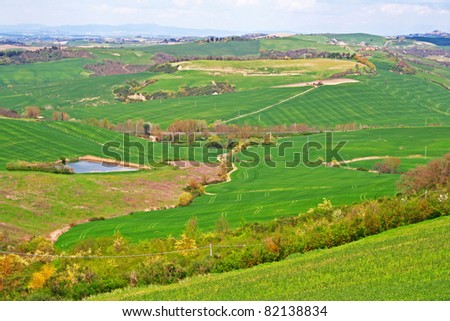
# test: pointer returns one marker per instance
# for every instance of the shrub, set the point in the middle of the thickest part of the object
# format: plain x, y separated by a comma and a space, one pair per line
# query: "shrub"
39, 279
166, 68
185, 199
433, 175
389, 165
39, 167
195, 188
32, 112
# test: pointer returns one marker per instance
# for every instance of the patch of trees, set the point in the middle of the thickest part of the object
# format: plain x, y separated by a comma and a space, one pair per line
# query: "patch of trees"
137, 127
109, 67
389, 166
48, 167
9, 113
162, 58
425, 52
190, 127
365, 61
219, 87
60, 115
166, 68
43, 55
302, 53
432, 176
402, 67
131, 88
213, 39
246, 131
32, 112
131, 91
439, 41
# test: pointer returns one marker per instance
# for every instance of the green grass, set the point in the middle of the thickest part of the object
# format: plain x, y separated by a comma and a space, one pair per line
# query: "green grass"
262, 193
405, 264
386, 99
48, 141
135, 56
232, 48
317, 42
358, 38
209, 108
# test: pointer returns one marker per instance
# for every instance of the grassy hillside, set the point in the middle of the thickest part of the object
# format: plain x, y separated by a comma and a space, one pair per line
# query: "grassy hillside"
232, 48
261, 193
47, 141
316, 42
408, 263
35, 204
386, 99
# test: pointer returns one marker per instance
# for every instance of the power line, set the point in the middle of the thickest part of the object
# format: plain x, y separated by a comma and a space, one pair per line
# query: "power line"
55, 256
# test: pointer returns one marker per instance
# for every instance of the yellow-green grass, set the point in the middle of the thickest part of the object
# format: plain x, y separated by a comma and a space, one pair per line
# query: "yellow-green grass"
408, 263
271, 67
35, 204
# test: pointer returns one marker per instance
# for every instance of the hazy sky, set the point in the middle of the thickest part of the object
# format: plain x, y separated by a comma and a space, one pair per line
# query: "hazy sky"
304, 16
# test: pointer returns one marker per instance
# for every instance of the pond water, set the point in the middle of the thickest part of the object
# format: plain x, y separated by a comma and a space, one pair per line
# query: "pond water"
94, 167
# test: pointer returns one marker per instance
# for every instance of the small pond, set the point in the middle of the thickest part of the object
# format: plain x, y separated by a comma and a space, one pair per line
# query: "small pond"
94, 167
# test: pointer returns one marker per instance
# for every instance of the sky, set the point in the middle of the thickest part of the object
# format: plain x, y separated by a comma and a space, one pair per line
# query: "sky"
386, 17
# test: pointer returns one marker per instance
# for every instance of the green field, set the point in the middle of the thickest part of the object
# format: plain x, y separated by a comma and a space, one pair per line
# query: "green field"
47, 141
315, 42
33, 203
261, 193
408, 263
385, 99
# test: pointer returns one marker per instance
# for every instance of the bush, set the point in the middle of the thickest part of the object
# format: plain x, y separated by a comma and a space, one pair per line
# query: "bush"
389, 165
433, 175
39, 167
166, 68
185, 199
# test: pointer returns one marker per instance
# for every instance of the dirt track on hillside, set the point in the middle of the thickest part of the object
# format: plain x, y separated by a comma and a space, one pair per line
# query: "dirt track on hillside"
326, 82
